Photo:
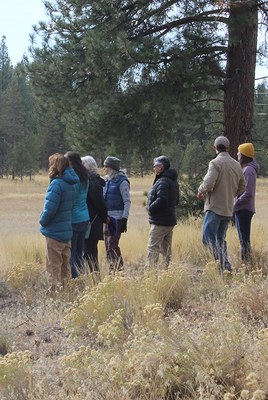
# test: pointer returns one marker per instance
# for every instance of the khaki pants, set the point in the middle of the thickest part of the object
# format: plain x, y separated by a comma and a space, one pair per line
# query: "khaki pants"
160, 241
58, 260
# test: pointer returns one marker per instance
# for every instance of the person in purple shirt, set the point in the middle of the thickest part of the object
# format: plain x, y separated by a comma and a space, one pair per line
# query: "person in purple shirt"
244, 205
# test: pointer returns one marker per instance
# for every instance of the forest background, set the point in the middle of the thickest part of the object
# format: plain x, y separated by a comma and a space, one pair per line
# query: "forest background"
135, 79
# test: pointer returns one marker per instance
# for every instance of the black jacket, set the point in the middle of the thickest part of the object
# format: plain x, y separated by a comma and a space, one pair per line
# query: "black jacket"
163, 199
96, 206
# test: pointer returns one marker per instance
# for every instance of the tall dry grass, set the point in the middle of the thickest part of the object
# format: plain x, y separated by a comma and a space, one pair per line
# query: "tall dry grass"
21, 204
185, 333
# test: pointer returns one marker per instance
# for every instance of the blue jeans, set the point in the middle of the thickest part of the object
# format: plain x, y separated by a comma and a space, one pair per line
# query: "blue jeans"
214, 236
243, 223
77, 249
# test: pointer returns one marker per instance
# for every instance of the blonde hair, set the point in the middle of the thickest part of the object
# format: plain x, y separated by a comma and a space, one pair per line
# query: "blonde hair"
90, 164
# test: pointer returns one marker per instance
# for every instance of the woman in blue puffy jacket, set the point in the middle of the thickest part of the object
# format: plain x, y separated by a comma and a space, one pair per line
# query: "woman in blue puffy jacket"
56, 218
80, 214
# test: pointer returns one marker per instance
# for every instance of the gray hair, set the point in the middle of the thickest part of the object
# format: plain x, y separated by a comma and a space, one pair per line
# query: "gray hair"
90, 164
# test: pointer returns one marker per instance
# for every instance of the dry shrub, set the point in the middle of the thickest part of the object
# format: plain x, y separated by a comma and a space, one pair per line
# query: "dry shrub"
147, 366
28, 279
73, 288
26, 275
251, 298
14, 375
219, 351
184, 361
211, 285
96, 305
223, 345
261, 360
259, 259
113, 331
252, 391
171, 287
130, 294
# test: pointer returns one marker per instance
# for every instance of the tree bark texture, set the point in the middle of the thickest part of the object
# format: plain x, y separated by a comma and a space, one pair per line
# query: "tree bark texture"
240, 73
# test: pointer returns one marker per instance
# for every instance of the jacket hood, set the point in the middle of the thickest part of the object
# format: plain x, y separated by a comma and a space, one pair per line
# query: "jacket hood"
253, 164
70, 176
115, 175
170, 173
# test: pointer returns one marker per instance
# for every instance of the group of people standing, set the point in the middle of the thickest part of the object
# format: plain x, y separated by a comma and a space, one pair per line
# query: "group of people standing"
82, 208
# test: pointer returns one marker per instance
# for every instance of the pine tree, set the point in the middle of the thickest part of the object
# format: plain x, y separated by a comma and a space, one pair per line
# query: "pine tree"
240, 73
6, 72
94, 54
6, 68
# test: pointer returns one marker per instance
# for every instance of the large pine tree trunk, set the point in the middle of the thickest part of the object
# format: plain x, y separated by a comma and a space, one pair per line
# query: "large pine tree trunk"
241, 61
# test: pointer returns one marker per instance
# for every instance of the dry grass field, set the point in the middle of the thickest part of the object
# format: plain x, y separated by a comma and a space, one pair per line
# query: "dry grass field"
186, 333
21, 204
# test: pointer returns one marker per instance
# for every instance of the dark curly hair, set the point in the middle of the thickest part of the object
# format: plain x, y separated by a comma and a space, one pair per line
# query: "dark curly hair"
57, 165
76, 162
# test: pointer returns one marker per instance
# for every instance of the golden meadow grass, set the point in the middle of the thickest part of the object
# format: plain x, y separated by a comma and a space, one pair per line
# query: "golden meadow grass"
21, 204
185, 333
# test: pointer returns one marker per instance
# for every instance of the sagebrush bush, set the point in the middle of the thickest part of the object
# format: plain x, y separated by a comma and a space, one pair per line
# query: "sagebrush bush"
171, 287
261, 359
113, 331
251, 392
223, 345
128, 294
14, 374
96, 305
26, 275
29, 279
219, 350
147, 366
176, 362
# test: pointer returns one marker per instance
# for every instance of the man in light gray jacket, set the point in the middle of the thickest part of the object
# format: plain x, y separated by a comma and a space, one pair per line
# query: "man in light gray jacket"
224, 181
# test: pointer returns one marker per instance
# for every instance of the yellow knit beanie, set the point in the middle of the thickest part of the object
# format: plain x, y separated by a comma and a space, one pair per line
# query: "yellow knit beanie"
247, 149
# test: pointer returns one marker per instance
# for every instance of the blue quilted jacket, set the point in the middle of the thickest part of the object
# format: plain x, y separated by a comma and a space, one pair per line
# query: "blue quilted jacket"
56, 218
80, 211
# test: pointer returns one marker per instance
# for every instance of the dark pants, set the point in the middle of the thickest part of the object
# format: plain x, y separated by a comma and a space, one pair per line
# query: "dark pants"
243, 223
77, 249
91, 253
113, 251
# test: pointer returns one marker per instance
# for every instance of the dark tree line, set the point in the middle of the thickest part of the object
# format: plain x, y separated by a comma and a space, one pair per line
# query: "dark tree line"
19, 144
29, 128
